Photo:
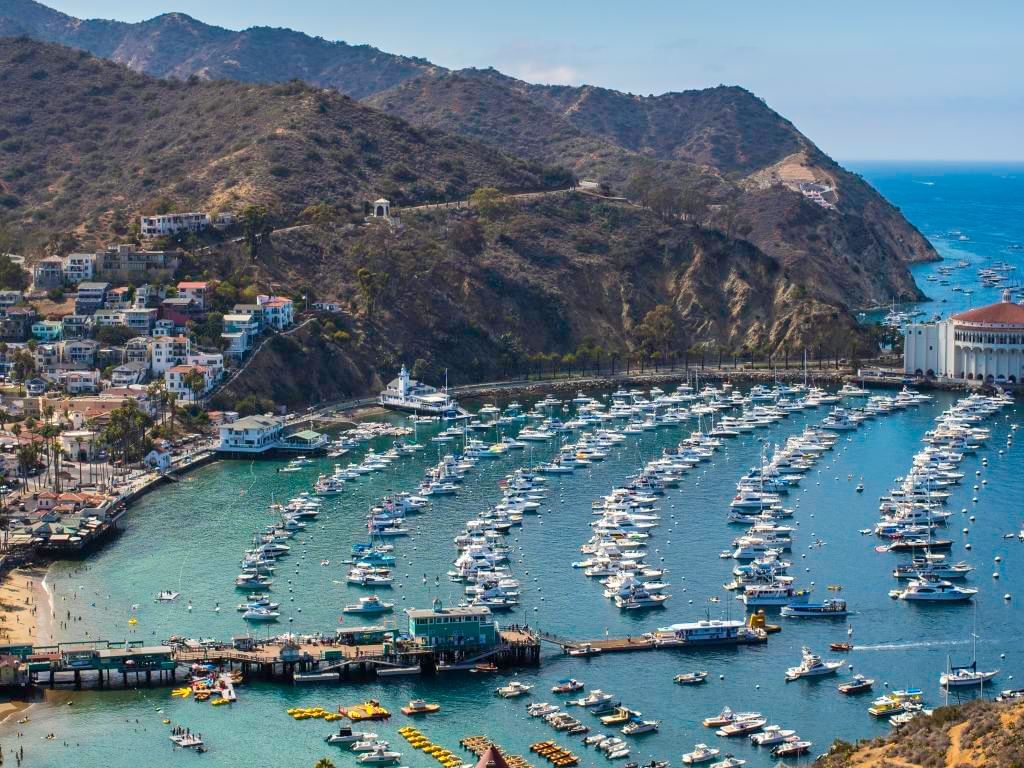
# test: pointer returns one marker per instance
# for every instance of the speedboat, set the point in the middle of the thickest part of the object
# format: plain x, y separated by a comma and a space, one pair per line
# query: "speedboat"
811, 665
742, 727
701, 753
636, 726
729, 762
791, 748
727, 716
261, 614
346, 735
584, 650
513, 689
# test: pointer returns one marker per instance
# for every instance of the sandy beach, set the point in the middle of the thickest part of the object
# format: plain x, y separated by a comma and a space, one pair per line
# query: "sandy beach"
26, 617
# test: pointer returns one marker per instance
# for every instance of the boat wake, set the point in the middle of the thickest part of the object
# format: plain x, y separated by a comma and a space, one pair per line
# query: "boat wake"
904, 646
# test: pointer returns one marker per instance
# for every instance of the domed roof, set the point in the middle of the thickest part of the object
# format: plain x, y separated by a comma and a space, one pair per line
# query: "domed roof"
1004, 312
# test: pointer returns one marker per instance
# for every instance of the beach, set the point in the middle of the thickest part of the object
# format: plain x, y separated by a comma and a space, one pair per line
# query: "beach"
26, 617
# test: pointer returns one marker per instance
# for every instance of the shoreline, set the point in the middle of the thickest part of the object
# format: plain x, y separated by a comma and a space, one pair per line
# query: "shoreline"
20, 589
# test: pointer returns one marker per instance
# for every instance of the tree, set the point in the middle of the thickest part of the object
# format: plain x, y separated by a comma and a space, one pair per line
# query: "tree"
12, 276
657, 333
125, 432
491, 203
195, 381
324, 762
23, 365
694, 204
256, 228
371, 285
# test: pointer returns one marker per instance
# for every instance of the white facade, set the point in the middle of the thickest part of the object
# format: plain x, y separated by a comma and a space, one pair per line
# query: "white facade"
172, 223
252, 434
168, 351
176, 381
278, 311
984, 345
79, 267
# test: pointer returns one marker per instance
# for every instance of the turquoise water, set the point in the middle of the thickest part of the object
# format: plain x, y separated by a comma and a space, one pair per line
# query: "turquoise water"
190, 537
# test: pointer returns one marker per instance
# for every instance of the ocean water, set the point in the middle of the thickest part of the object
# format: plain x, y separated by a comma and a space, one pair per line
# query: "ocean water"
190, 537
972, 213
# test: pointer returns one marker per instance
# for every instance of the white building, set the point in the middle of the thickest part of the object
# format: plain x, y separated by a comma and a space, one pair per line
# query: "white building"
252, 434
214, 361
406, 394
176, 381
79, 267
167, 351
984, 345
278, 311
172, 223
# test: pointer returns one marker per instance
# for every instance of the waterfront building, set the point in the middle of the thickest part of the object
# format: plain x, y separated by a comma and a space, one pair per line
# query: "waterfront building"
980, 346
251, 434
453, 628
406, 394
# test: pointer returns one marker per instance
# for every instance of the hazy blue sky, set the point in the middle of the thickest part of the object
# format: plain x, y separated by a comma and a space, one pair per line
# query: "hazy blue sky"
909, 79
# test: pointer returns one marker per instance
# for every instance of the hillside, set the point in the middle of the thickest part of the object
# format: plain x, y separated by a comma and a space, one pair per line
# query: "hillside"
981, 734
563, 274
176, 45
86, 144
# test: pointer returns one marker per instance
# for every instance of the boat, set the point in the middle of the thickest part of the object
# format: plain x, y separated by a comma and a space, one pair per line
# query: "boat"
933, 591
859, 684
691, 678
167, 596
567, 685
368, 710
261, 614
346, 735
811, 665
398, 671
370, 604
187, 740
742, 727
966, 677
791, 749
513, 689
584, 650
771, 735
701, 753
843, 647
729, 762
829, 609
636, 726
420, 707
379, 755
727, 716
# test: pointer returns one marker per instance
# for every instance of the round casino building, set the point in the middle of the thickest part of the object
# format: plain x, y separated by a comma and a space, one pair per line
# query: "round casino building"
980, 346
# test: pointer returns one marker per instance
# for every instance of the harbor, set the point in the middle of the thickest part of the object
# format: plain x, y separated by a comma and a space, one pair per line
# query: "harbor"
561, 627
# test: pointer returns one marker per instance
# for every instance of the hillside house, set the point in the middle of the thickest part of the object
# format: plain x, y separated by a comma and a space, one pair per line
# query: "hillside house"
198, 291
48, 330
168, 351
48, 273
240, 333
176, 381
91, 297
76, 326
278, 311
10, 298
173, 223
127, 374
16, 323
126, 262
79, 267
106, 318
140, 319
139, 350
79, 352
119, 298
79, 382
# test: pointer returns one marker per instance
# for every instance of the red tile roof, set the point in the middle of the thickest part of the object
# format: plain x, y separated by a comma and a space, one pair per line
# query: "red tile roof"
193, 285
1002, 313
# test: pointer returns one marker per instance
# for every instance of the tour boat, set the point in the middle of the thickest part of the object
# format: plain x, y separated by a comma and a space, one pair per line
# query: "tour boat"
701, 753
829, 609
811, 665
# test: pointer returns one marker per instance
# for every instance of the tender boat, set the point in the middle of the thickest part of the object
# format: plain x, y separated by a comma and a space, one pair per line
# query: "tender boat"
859, 684
346, 735
691, 678
513, 689
584, 650
167, 596
568, 685
701, 753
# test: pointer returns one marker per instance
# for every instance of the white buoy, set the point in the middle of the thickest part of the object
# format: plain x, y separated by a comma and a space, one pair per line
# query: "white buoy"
999, 559
1006, 596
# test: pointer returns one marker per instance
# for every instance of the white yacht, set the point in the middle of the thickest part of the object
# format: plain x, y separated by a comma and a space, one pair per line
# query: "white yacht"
811, 665
701, 753
934, 591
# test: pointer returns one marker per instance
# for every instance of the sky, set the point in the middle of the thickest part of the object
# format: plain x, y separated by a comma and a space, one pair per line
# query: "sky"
866, 80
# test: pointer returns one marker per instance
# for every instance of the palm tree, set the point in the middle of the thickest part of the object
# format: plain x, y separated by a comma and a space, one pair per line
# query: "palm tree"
324, 762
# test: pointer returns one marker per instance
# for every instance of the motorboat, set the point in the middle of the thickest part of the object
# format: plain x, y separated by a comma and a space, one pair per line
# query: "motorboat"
729, 762
586, 649
791, 748
829, 609
261, 614
771, 735
701, 753
933, 591
369, 743
370, 604
541, 709
568, 685
859, 684
346, 735
379, 755
167, 596
596, 699
742, 727
636, 726
727, 716
691, 678
811, 665
513, 689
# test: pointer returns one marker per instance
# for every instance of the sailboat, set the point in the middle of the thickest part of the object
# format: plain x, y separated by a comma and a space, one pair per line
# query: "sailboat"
969, 675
